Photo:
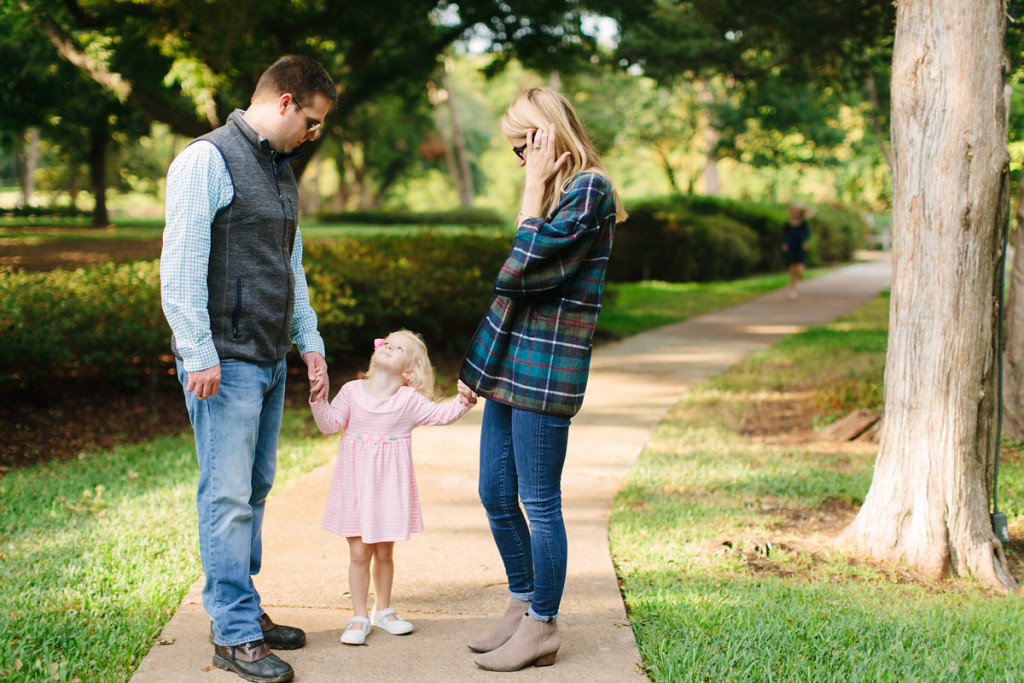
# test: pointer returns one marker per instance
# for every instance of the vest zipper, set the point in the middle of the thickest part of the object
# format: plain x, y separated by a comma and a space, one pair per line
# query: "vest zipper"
238, 307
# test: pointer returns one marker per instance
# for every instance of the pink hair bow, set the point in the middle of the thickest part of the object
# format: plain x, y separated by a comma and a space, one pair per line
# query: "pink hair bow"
377, 342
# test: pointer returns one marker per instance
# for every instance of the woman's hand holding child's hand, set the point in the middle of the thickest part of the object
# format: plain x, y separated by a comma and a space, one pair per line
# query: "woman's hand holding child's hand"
466, 395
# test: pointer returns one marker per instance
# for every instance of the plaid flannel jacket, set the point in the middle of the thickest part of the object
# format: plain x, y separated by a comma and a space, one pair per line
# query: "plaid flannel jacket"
532, 349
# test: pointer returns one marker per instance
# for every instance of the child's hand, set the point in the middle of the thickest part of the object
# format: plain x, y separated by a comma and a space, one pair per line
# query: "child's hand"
468, 395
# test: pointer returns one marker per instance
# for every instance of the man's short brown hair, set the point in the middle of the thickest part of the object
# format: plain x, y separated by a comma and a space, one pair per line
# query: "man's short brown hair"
300, 76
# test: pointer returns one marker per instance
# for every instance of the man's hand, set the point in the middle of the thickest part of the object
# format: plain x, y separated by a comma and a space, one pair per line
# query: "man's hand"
204, 383
319, 383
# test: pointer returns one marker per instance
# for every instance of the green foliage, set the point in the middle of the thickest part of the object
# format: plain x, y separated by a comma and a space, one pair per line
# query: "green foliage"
633, 307
682, 239
470, 216
106, 322
98, 322
439, 286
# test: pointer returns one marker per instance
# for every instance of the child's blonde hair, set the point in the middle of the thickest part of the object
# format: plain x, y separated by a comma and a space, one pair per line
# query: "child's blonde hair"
538, 108
422, 379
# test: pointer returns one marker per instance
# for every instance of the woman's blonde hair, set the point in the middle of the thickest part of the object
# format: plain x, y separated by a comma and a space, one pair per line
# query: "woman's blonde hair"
538, 108
422, 379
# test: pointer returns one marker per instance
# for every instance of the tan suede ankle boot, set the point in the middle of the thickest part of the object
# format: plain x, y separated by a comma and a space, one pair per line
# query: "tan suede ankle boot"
534, 642
505, 628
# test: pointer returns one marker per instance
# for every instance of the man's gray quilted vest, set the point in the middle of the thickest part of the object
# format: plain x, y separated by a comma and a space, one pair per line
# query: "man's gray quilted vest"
251, 283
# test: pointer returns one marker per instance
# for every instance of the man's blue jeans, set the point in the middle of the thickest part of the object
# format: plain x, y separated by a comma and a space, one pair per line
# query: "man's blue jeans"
236, 443
521, 459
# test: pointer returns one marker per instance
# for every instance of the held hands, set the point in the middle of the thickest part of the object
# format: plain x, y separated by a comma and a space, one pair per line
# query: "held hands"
319, 382
466, 395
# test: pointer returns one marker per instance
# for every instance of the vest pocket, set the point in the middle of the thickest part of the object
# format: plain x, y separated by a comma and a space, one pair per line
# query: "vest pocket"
237, 312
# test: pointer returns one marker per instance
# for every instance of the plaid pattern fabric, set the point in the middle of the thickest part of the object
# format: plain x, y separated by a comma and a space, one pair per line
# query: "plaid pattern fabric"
198, 186
532, 349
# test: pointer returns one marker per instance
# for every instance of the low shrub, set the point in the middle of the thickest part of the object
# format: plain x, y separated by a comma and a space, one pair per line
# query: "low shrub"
439, 286
695, 238
460, 216
105, 321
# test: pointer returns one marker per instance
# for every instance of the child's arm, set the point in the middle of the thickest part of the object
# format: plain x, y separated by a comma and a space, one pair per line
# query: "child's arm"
331, 417
430, 413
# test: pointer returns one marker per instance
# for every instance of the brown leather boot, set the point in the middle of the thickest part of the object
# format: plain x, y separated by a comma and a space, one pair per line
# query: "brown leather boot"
505, 628
534, 642
253, 662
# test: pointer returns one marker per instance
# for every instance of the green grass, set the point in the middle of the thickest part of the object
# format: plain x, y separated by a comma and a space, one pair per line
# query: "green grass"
630, 308
96, 553
706, 610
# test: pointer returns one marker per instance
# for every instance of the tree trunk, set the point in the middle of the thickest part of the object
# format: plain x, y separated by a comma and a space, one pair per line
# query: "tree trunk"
98, 171
466, 189
928, 504
1013, 351
709, 174
26, 160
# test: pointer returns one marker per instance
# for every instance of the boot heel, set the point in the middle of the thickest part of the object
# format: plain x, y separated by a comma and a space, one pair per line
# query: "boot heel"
546, 660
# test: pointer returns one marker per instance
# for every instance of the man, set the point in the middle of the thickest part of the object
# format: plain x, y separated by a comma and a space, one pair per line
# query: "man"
234, 294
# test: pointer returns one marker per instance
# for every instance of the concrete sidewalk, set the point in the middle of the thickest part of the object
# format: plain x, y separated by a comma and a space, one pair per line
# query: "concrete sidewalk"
449, 580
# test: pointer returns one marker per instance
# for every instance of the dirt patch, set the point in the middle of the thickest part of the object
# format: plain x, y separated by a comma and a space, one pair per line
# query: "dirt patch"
49, 254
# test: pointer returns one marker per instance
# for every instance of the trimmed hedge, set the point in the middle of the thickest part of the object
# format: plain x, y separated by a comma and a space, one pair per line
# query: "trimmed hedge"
700, 239
439, 286
104, 323
469, 216
99, 322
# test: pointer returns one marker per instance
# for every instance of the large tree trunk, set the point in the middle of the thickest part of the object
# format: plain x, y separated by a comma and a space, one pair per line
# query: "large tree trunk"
1013, 346
928, 504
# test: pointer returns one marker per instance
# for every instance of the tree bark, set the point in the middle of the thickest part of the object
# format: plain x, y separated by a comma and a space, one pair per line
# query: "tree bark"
928, 504
26, 160
466, 189
1013, 352
98, 171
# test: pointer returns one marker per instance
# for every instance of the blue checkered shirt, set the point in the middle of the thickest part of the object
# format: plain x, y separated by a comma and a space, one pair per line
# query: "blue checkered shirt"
198, 186
533, 348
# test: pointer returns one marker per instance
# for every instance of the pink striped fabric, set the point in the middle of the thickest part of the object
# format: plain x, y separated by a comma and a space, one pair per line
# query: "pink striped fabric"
373, 491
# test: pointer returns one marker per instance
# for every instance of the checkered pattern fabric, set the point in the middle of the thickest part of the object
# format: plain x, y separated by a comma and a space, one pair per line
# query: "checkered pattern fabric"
198, 186
533, 348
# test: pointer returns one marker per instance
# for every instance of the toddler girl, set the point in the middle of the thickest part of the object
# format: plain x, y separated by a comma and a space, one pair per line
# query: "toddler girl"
373, 500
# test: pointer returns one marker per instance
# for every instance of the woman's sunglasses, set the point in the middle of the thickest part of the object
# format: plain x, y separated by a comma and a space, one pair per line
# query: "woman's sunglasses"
519, 150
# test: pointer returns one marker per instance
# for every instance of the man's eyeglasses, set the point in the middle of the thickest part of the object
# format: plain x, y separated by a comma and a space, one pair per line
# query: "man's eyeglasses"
519, 150
311, 125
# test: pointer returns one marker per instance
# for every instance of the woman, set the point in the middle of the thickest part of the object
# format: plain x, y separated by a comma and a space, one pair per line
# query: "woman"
530, 357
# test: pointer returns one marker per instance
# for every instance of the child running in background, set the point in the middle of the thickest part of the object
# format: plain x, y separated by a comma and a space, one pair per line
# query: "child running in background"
373, 500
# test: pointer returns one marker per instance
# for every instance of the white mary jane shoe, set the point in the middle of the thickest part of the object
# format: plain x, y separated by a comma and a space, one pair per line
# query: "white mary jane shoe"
396, 626
356, 636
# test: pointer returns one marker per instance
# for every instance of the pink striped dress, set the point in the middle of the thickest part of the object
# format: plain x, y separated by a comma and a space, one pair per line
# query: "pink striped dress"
373, 492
